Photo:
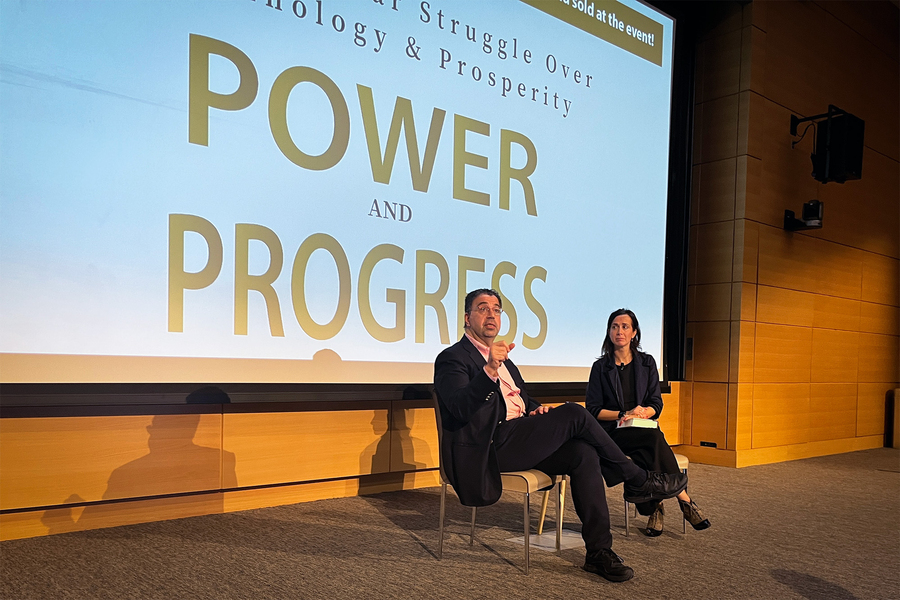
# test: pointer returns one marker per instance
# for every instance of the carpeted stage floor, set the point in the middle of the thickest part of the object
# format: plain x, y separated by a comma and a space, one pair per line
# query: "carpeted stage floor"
821, 528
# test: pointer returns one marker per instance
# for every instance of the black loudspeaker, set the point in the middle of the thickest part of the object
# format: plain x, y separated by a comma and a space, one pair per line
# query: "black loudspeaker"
839, 149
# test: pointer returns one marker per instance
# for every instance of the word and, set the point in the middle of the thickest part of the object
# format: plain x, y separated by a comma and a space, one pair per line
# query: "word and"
201, 98
391, 210
180, 280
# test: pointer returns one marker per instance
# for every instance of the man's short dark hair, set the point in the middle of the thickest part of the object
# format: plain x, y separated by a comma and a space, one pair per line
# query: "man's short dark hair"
470, 297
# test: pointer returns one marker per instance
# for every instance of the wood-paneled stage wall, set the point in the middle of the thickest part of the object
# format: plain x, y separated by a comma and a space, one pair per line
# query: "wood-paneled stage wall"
795, 335
114, 459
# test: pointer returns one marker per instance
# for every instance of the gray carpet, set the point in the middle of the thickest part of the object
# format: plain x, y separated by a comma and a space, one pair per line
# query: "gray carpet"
822, 528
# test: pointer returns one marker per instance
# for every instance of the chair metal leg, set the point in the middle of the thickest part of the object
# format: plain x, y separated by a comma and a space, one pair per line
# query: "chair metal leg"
472, 533
683, 518
527, 519
627, 518
544, 502
560, 502
441, 525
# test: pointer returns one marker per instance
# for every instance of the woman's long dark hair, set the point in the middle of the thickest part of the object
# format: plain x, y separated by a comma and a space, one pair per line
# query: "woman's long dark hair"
608, 347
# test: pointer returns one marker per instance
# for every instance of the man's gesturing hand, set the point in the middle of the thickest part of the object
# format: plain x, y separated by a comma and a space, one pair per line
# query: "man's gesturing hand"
498, 353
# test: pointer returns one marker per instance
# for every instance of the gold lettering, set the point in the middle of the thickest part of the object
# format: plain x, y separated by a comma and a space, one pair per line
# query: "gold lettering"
506, 268
201, 98
278, 99
325, 242
402, 117
179, 279
533, 343
461, 158
393, 296
432, 299
244, 282
507, 138
464, 264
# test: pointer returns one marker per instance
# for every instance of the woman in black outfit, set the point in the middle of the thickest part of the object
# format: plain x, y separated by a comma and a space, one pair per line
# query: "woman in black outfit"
624, 383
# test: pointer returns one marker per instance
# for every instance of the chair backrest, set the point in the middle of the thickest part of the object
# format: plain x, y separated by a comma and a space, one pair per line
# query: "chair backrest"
440, 430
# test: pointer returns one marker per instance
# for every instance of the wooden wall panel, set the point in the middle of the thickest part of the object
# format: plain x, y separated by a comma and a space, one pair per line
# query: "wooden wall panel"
275, 448
720, 66
753, 59
749, 169
697, 149
716, 192
794, 69
748, 269
774, 454
695, 194
49, 461
711, 302
848, 53
741, 405
840, 270
835, 356
709, 414
61, 520
870, 408
743, 342
670, 419
414, 439
686, 408
783, 306
879, 318
874, 227
832, 411
711, 345
743, 301
755, 14
689, 361
780, 414
878, 358
714, 249
875, 22
67, 519
785, 259
719, 129
830, 312
750, 129
782, 354
880, 282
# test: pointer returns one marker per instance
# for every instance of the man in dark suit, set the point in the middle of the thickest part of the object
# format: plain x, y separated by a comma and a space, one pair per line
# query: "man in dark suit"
491, 424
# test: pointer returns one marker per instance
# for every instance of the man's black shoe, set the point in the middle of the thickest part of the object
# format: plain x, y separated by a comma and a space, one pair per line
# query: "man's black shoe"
608, 565
658, 486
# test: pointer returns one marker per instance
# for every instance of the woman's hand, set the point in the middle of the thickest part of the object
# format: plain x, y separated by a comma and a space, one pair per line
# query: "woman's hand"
641, 412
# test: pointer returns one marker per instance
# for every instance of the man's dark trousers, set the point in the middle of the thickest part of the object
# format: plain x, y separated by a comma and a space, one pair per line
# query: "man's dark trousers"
567, 440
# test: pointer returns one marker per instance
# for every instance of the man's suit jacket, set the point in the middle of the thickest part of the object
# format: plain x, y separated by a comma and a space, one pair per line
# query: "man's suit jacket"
605, 389
471, 407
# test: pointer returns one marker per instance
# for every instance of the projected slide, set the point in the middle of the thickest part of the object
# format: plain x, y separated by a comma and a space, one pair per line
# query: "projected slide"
304, 190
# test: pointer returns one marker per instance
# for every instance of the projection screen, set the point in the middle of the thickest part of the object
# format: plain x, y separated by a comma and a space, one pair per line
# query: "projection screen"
303, 191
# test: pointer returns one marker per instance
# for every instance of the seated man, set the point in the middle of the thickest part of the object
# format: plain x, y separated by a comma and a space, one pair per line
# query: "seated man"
491, 424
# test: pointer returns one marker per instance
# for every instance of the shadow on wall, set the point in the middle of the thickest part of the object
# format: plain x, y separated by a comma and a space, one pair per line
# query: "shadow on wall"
173, 465
396, 452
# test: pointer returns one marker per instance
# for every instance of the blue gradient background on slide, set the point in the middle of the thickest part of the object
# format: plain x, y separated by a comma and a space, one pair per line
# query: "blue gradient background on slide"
94, 157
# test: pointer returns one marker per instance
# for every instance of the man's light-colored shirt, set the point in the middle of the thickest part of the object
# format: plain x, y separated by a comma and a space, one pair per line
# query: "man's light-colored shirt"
515, 405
